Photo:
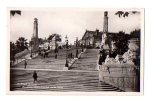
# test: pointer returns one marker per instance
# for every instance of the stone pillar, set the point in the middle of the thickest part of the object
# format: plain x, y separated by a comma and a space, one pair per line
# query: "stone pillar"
105, 40
105, 25
35, 35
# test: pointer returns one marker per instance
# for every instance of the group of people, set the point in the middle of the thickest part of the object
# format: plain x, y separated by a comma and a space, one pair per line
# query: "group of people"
103, 55
44, 54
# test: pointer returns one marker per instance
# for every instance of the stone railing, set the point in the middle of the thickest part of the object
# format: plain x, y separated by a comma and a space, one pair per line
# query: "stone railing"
122, 76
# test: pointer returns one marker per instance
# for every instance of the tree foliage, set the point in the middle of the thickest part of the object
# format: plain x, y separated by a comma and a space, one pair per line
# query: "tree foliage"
20, 45
57, 37
135, 34
13, 51
41, 41
125, 13
121, 40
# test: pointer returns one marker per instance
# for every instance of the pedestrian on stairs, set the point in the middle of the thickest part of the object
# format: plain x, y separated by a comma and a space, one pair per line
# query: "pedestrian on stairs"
35, 76
25, 64
102, 57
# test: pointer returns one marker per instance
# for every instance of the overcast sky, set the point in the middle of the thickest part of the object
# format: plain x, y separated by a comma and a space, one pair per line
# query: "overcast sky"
70, 22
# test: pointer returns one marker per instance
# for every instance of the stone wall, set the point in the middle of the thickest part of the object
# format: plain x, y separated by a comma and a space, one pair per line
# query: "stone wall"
122, 76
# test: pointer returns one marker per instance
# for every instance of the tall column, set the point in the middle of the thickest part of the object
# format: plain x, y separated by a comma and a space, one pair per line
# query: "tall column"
105, 24
105, 41
35, 35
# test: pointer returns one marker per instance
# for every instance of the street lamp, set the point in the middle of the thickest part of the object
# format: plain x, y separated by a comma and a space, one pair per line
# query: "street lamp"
56, 50
31, 43
82, 47
76, 47
66, 40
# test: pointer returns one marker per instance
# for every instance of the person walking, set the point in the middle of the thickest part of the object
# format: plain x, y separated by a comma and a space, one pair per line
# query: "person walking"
35, 76
25, 64
101, 59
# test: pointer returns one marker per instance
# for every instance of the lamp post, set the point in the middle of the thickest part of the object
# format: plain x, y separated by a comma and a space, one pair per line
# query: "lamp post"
31, 43
56, 50
66, 40
76, 47
82, 47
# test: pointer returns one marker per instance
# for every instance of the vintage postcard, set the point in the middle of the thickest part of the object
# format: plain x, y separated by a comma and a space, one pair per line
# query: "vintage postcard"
75, 50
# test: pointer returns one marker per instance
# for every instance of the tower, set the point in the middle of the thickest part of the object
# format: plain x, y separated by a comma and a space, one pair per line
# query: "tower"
105, 24
35, 35
105, 40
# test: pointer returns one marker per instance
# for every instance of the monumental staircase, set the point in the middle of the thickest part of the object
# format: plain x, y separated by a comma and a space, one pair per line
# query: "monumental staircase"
82, 76
87, 61
61, 81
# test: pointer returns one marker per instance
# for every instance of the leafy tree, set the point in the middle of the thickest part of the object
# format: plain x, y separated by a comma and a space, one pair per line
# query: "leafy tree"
57, 37
41, 41
12, 51
13, 12
121, 40
135, 34
125, 13
119, 13
31, 42
21, 44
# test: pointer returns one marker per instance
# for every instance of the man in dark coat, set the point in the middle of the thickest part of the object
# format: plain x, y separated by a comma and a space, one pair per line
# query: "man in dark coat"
35, 76
25, 64
102, 56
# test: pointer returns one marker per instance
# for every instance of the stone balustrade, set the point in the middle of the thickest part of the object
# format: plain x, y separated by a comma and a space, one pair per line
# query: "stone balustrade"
123, 76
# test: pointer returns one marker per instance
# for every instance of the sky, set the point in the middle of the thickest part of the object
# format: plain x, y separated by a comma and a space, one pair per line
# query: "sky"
70, 22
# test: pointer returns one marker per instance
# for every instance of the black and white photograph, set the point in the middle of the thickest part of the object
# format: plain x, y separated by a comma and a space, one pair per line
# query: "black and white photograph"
75, 50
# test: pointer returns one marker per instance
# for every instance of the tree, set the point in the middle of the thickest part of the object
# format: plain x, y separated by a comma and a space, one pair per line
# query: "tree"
41, 41
121, 40
31, 43
13, 12
125, 13
119, 13
21, 44
135, 34
12, 51
57, 37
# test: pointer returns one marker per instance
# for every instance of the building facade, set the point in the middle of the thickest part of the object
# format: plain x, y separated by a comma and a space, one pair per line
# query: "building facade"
92, 38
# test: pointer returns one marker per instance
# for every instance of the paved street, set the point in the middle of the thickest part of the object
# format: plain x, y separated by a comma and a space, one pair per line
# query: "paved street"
87, 81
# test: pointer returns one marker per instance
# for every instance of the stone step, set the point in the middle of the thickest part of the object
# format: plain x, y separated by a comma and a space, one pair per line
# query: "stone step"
59, 81
87, 61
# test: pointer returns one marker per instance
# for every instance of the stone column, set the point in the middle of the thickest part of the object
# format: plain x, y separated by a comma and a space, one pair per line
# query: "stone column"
105, 24
35, 35
105, 40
